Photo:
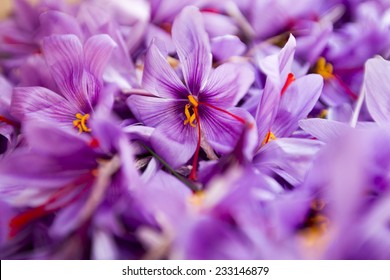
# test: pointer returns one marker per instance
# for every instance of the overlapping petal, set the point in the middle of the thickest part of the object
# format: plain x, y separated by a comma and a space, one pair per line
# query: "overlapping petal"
193, 48
159, 78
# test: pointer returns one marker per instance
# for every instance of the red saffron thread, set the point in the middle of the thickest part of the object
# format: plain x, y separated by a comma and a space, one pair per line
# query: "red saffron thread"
290, 79
193, 174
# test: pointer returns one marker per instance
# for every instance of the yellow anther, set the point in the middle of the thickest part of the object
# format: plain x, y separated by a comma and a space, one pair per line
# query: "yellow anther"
325, 69
197, 198
193, 101
81, 122
190, 118
173, 62
323, 114
269, 137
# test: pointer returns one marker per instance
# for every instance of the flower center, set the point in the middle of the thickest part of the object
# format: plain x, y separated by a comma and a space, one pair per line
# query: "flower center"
81, 122
190, 111
269, 137
324, 68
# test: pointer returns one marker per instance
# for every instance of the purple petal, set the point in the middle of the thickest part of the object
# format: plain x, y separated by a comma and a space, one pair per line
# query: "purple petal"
156, 192
159, 77
174, 142
288, 157
26, 15
377, 89
278, 66
41, 103
5, 96
221, 130
324, 130
48, 140
226, 46
267, 109
97, 51
296, 103
54, 22
193, 48
218, 24
227, 85
154, 111
65, 57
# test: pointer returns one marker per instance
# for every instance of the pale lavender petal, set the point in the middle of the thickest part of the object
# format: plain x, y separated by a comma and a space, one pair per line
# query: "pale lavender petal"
154, 111
193, 47
221, 130
159, 78
65, 57
227, 85
48, 140
97, 51
158, 189
296, 103
171, 139
341, 113
41, 103
55, 22
278, 66
5, 95
174, 142
26, 14
218, 24
224, 47
267, 109
290, 158
377, 87
324, 130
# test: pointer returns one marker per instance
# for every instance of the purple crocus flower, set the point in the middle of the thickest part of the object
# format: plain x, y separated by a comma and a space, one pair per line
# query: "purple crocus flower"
85, 183
187, 114
350, 177
77, 71
284, 101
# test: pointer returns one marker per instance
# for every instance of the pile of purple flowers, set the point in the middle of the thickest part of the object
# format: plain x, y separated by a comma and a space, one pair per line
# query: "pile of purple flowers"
195, 129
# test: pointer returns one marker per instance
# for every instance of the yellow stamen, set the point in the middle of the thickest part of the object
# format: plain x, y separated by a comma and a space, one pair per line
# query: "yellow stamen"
193, 101
190, 118
81, 122
197, 198
173, 62
269, 137
323, 114
325, 69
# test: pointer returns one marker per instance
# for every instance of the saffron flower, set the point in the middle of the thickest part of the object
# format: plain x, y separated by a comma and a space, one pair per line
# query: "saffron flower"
85, 183
77, 71
202, 107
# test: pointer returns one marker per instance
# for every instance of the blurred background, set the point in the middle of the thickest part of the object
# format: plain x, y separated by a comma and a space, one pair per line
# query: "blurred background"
5, 7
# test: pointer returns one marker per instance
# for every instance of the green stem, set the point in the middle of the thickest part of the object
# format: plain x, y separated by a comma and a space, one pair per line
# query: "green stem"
182, 179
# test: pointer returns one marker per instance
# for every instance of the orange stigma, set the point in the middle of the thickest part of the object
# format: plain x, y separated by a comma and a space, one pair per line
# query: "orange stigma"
290, 79
269, 137
81, 122
192, 114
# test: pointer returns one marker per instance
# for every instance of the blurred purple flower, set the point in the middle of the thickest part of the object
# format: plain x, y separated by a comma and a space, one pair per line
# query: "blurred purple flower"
77, 71
88, 181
